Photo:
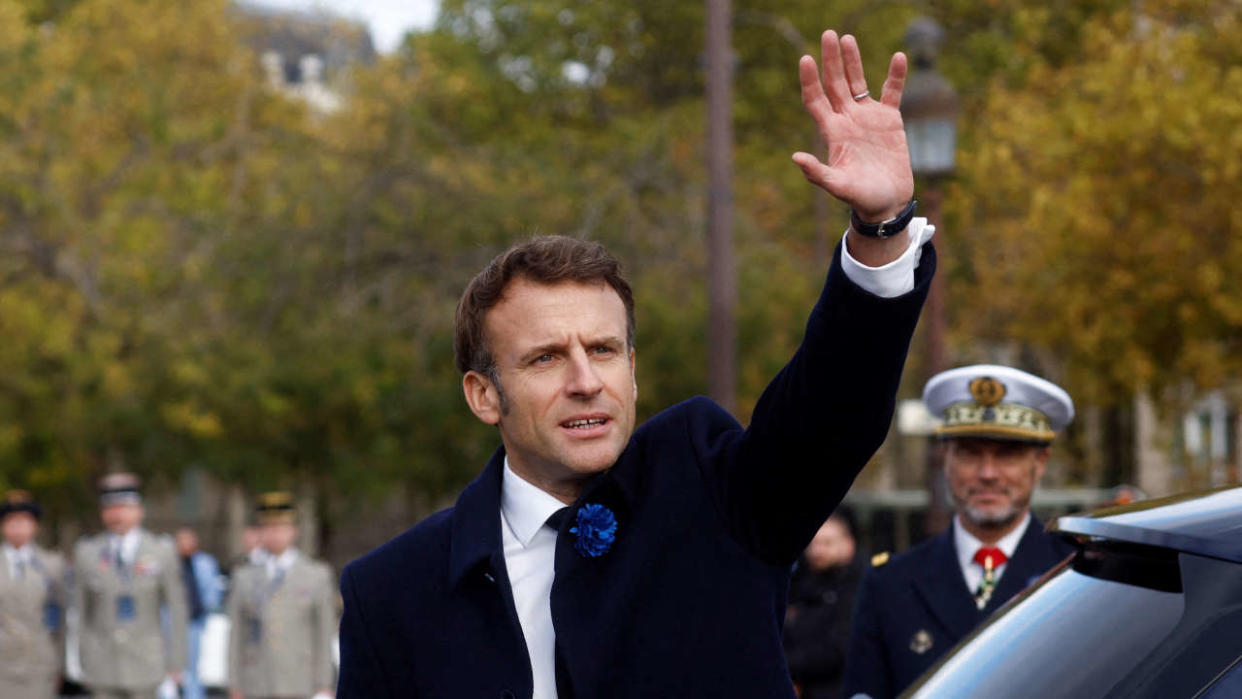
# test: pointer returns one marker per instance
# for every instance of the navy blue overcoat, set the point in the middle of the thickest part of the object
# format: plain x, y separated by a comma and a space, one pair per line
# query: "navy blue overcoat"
690, 599
914, 608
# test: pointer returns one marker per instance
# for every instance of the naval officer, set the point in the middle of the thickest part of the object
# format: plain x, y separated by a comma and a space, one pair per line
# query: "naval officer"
998, 423
32, 599
282, 614
126, 580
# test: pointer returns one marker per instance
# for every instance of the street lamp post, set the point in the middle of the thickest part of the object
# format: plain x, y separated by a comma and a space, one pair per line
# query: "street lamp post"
929, 110
722, 272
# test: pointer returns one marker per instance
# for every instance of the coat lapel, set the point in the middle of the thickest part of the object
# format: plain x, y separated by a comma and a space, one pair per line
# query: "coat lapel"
943, 589
476, 523
1031, 559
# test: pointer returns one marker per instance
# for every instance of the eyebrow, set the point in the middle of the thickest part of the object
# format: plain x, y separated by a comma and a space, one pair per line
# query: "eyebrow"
557, 346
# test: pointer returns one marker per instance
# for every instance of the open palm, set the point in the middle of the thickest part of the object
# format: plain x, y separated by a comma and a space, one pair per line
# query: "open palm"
868, 161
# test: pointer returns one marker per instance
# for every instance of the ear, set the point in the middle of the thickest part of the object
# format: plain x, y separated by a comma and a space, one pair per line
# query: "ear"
1041, 462
482, 397
633, 375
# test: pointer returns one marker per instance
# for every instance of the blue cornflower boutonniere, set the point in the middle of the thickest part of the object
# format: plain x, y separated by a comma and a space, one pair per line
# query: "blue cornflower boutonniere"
596, 527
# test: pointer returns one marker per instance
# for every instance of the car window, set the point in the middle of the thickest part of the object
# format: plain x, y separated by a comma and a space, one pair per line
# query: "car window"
1074, 635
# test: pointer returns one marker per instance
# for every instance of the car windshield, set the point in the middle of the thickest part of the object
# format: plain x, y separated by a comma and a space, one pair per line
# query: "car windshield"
1075, 635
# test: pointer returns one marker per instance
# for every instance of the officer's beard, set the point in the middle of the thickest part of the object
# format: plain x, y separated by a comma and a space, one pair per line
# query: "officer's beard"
991, 519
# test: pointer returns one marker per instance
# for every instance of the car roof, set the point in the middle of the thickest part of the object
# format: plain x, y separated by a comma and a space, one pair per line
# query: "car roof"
1206, 523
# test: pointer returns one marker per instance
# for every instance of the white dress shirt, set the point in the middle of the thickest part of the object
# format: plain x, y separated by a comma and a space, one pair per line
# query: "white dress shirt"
13, 556
967, 545
530, 547
897, 277
129, 545
530, 558
280, 563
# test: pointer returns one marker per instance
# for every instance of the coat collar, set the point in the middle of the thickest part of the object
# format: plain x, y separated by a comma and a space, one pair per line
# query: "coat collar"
1033, 557
944, 589
475, 521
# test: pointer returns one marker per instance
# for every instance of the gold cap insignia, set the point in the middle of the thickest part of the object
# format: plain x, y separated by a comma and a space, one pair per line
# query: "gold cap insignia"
921, 641
987, 391
18, 497
276, 507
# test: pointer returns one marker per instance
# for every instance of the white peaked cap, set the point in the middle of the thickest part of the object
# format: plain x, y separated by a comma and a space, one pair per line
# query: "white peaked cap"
997, 402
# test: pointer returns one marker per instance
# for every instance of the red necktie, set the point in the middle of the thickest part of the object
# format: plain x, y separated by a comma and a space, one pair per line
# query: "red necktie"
990, 558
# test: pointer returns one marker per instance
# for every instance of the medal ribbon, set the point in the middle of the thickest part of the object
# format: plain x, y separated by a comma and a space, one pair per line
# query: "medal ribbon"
990, 558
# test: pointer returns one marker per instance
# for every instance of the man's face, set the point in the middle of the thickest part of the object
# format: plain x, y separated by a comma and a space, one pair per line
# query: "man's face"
992, 480
187, 542
832, 546
250, 538
119, 519
278, 536
567, 377
19, 528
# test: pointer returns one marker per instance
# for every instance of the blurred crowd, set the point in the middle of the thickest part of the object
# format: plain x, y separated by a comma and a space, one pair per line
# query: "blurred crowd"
135, 613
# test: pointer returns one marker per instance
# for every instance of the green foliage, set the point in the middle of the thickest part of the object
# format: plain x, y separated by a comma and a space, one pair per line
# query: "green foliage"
197, 270
1097, 214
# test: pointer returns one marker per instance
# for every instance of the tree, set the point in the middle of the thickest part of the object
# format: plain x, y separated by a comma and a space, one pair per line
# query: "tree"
1097, 210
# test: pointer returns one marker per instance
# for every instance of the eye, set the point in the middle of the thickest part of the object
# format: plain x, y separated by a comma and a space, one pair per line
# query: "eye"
604, 350
544, 358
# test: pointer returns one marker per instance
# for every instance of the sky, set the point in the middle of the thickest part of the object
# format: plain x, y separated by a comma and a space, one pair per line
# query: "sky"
389, 20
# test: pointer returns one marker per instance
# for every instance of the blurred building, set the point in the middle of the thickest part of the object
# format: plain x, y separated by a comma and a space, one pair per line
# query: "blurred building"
307, 55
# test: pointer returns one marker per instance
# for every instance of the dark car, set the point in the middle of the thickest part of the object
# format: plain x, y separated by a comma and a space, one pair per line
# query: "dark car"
1150, 605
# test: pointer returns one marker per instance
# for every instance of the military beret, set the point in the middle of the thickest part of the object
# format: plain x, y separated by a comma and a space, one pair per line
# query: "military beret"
19, 501
120, 489
275, 507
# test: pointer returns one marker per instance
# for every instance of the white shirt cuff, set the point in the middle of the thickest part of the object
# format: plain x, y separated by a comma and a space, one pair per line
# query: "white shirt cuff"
897, 277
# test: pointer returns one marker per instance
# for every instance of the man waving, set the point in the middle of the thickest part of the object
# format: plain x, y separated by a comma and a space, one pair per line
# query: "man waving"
592, 559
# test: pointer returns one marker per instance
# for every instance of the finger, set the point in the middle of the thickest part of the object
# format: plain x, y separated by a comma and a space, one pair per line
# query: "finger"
852, 59
813, 170
896, 81
812, 90
834, 71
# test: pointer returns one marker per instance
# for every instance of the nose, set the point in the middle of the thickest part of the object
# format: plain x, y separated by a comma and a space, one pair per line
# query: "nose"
987, 466
583, 380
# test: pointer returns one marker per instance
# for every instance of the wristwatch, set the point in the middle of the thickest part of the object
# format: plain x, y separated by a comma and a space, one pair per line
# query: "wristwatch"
884, 229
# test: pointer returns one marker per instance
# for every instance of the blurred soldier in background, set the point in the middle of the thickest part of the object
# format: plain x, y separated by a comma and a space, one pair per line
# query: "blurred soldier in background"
252, 549
123, 578
32, 598
821, 603
998, 425
282, 614
201, 577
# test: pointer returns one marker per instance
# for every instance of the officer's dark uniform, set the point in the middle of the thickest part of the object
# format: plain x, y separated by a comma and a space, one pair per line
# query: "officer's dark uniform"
913, 608
916, 606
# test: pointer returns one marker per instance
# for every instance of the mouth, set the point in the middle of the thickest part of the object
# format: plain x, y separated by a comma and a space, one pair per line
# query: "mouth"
989, 496
586, 425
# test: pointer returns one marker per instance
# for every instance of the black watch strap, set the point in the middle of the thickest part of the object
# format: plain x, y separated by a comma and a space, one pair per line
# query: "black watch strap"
884, 229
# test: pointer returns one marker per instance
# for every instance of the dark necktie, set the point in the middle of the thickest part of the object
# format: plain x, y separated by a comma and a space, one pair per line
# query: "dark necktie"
21, 567
556, 518
564, 689
194, 596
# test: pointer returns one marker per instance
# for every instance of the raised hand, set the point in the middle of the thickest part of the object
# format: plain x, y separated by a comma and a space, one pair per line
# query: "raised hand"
868, 161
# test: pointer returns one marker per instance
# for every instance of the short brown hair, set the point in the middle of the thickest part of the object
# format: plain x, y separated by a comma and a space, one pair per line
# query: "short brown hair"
546, 259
